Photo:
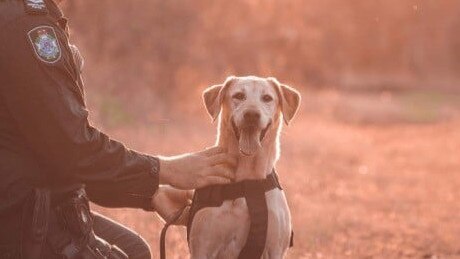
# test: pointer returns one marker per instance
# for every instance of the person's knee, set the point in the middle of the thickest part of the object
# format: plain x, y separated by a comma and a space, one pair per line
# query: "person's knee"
124, 238
139, 249
143, 251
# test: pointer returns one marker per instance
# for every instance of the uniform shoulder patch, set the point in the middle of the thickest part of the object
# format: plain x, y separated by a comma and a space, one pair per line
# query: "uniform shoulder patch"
36, 6
45, 44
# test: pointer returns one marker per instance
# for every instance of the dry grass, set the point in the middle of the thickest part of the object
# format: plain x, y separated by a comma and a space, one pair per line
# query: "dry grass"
366, 175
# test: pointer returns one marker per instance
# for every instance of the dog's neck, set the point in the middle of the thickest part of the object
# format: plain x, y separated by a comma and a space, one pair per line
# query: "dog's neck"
259, 165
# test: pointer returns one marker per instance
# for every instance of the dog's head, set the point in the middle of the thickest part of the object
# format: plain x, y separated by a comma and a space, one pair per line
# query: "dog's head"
251, 105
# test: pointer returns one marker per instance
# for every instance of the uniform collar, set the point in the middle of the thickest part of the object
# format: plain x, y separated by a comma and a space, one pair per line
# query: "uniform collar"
54, 10
56, 13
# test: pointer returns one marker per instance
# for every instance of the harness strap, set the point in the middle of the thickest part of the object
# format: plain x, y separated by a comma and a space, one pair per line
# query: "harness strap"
257, 207
215, 195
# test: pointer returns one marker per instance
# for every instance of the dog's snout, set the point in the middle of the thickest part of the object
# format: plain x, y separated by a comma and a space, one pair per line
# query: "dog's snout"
252, 116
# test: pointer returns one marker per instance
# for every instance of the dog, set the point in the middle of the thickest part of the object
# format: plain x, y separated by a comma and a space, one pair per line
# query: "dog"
252, 111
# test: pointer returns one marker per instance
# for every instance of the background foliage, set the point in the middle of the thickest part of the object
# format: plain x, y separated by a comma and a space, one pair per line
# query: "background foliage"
370, 165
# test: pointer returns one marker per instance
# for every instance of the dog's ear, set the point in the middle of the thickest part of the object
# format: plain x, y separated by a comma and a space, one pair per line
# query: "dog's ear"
289, 99
213, 97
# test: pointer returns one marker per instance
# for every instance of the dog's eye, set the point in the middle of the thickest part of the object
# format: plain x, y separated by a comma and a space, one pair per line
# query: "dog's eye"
239, 96
267, 98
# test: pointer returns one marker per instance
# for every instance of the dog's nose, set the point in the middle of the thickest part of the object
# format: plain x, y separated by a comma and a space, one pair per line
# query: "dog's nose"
252, 116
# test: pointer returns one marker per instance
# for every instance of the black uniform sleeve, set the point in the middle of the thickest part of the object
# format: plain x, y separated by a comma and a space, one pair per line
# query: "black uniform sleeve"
48, 107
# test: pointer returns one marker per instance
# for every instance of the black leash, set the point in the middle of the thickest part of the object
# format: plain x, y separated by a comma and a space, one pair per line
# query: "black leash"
165, 229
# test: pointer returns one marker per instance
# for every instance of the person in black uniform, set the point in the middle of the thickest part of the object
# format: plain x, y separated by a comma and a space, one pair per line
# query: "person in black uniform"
52, 161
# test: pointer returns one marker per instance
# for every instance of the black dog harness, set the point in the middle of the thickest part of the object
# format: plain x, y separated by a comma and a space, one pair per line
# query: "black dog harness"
254, 193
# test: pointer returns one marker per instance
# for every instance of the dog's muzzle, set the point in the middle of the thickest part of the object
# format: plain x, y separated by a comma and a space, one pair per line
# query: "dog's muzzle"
237, 134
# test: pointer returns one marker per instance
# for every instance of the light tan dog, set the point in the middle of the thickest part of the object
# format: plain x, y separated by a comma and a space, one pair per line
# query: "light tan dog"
251, 111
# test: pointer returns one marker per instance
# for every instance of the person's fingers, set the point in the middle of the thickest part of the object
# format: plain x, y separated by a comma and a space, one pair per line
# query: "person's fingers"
223, 159
190, 194
180, 196
211, 180
222, 171
217, 159
232, 161
213, 151
183, 219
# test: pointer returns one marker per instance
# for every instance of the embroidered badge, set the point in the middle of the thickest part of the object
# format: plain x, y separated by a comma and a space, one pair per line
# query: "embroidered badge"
35, 6
45, 44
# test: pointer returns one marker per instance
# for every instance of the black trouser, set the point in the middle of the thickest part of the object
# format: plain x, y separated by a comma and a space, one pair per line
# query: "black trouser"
112, 232
69, 229
115, 234
126, 239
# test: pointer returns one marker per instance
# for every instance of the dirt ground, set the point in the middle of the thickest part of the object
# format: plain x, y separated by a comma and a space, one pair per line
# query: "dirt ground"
367, 175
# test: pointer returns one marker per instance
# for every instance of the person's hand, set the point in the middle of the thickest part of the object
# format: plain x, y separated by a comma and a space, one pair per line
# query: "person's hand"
168, 202
196, 170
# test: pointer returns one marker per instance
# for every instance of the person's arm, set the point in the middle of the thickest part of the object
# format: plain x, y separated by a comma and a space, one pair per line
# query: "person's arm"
41, 94
49, 110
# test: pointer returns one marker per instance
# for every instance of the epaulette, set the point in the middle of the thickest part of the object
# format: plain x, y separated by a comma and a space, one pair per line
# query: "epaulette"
35, 6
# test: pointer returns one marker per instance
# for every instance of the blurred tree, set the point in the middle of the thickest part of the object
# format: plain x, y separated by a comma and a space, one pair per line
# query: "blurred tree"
176, 47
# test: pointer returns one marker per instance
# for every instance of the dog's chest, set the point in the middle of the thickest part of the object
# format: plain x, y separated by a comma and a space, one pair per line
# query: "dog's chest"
222, 231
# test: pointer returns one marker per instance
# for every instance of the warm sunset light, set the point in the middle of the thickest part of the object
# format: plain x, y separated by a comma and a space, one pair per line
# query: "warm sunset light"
369, 163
